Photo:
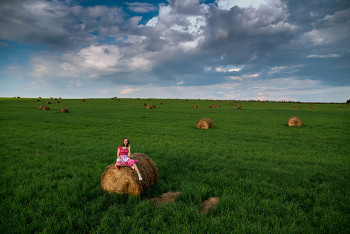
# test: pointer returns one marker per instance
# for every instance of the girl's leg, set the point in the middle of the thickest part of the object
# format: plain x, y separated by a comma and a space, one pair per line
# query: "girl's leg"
136, 168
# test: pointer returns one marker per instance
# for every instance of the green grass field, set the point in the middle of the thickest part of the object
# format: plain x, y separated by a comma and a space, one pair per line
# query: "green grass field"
270, 178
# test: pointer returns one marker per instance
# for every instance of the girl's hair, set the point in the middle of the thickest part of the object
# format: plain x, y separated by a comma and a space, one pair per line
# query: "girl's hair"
123, 142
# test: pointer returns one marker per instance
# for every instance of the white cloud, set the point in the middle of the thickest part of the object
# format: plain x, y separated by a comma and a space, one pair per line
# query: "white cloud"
180, 83
228, 4
324, 56
141, 7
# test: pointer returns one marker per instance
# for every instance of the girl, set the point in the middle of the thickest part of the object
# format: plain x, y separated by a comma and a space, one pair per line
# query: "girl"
124, 160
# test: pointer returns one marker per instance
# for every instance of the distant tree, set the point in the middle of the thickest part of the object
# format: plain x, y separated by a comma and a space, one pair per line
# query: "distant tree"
348, 101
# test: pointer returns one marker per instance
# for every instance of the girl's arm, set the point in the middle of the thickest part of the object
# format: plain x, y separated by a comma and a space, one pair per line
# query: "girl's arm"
118, 155
129, 152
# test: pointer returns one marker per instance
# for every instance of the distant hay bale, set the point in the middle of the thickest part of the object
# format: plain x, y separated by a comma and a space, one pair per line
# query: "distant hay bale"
137, 98
111, 98
64, 110
217, 106
295, 105
58, 102
59, 98
149, 100
239, 108
186, 100
41, 107
45, 108
143, 104
18, 97
39, 97
148, 107
298, 107
286, 104
118, 99
115, 97
294, 122
37, 100
312, 107
51, 97
153, 106
125, 180
347, 105
204, 123
159, 103
83, 100
310, 104
233, 104
229, 103
209, 106
194, 106
341, 106
55, 99
48, 102
209, 205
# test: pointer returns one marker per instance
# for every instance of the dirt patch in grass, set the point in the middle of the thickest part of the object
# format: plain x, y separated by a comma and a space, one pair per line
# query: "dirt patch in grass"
209, 205
166, 197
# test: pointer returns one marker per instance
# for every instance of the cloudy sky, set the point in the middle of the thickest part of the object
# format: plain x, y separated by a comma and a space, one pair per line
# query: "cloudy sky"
291, 50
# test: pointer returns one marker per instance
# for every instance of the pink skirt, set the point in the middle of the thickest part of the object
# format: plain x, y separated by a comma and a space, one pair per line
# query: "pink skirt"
128, 163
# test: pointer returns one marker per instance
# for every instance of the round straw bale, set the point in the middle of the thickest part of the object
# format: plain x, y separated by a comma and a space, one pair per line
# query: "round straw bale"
294, 121
83, 100
233, 104
295, 105
217, 106
347, 105
59, 98
45, 108
239, 108
204, 123
229, 103
111, 98
286, 104
125, 180
312, 107
41, 107
148, 107
64, 110
51, 97
55, 99
115, 97
137, 98
118, 99
58, 102
341, 106
37, 100
209, 106
186, 100
143, 104
194, 106
39, 97
159, 103
153, 106
149, 100
48, 102
298, 107
18, 97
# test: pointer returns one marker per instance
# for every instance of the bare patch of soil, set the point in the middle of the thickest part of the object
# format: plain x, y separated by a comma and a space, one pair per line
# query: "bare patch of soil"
166, 197
209, 205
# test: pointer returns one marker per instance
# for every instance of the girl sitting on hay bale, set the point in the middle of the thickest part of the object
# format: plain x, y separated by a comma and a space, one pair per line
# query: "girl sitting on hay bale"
124, 160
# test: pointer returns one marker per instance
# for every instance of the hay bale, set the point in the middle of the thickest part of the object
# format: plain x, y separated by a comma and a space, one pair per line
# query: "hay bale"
39, 97
115, 97
148, 107
118, 99
186, 100
209, 106
294, 122
153, 106
209, 205
48, 102
143, 104
312, 107
64, 110
159, 103
347, 105
233, 104
45, 108
137, 98
51, 97
58, 102
298, 107
55, 99
83, 100
126, 181
204, 123
229, 103
37, 100
111, 98
59, 98
41, 107
286, 104
18, 97
194, 106
217, 106
149, 100
239, 108
295, 105
341, 106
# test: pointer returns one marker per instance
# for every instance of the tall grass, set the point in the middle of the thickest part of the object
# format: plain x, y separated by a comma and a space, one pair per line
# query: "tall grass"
269, 177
